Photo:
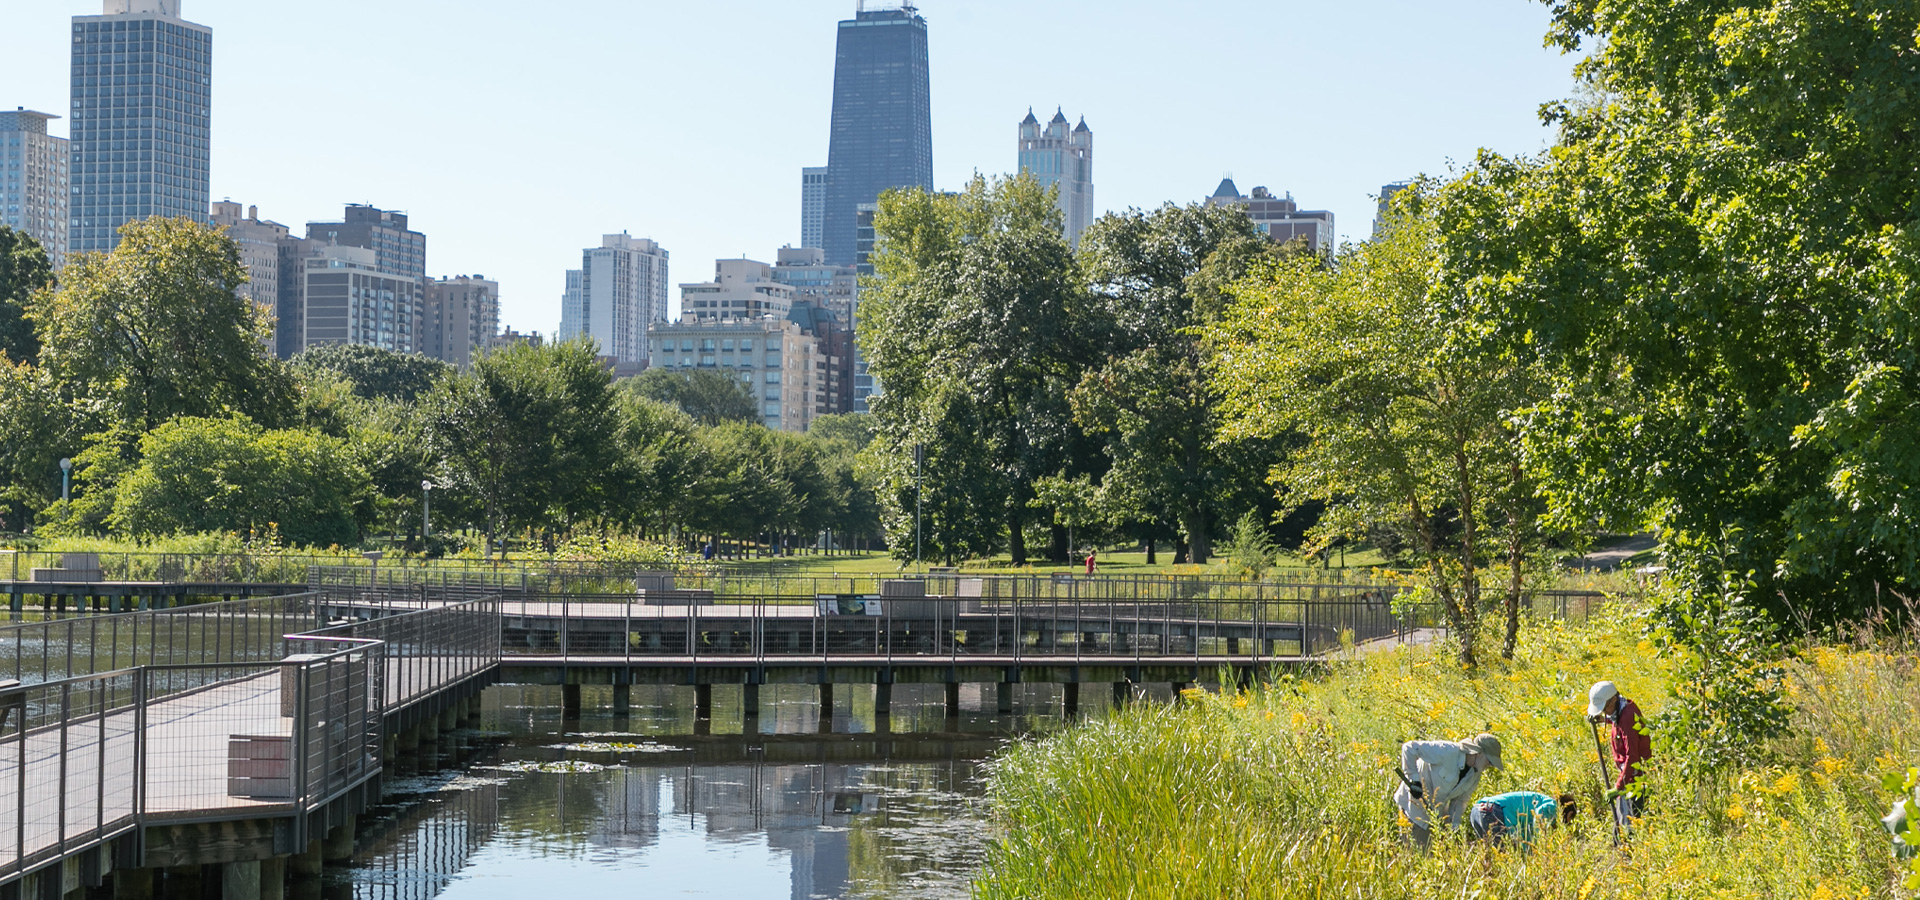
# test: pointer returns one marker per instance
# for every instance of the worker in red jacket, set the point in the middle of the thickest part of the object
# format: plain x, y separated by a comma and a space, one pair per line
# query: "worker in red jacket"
1631, 746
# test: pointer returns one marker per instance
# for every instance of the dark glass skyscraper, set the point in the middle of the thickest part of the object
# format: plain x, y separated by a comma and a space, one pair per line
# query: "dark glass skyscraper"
142, 97
882, 118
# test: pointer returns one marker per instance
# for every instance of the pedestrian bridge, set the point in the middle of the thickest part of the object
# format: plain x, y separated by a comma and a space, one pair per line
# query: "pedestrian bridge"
251, 733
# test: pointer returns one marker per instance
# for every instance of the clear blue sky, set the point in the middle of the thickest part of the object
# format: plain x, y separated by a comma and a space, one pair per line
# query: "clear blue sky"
516, 133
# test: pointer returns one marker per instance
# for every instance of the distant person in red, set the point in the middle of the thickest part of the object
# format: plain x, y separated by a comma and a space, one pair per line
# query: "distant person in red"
1089, 562
1631, 746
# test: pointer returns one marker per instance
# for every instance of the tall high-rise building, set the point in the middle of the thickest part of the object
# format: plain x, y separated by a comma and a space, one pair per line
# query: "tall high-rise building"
348, 299
142, 102
813, 205
34, 180
619, 289
259, 242
882, 130
1279, 218
462, 318
1058, 156
398, 251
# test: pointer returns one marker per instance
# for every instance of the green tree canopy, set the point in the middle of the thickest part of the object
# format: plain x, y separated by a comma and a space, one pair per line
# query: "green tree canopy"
375, 373
711, 397
230, 475
24, 270
1718, 261
976, 316
157, 329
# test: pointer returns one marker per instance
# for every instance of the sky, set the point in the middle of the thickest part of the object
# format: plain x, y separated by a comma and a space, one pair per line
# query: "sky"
514, 134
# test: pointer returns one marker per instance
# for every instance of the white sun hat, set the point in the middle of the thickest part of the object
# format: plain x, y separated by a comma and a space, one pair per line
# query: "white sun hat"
1598, 696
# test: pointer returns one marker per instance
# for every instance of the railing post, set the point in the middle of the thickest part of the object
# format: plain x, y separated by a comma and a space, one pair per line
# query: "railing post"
66, 716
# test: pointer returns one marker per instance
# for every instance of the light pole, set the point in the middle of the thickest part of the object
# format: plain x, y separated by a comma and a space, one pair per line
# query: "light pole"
373, 574
66, 480
919, 469
426, 511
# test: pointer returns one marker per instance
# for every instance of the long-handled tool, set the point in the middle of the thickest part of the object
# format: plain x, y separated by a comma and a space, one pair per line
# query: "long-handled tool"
1606, 777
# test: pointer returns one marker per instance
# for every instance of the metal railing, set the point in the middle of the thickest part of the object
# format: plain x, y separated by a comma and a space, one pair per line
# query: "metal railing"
210, 713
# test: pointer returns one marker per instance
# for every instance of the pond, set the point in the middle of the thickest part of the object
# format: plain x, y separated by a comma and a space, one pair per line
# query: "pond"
655, 802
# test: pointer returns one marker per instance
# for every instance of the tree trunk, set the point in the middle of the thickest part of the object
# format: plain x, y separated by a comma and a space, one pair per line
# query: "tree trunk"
1458, 620
1199, 542
1180, 551
1016, 539
1150, 551
1061, 544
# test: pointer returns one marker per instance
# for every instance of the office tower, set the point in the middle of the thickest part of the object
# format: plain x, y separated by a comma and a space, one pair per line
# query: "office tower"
772, 355
461, 318
259, 243
1279, 218
864, 236
1057, 156
619, 289
348, 299
34, 180
142, 98
882, 129
740, 289
813, 205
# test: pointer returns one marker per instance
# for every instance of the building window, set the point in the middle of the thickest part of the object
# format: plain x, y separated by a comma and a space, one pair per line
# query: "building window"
773, 377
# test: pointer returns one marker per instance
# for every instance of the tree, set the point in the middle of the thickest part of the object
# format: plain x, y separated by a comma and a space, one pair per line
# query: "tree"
1718, 263
710, 397
230, 475
374, 373
975, 313
24, 270
1406, 419
529, 434
157, 329
1156, 277
35, 430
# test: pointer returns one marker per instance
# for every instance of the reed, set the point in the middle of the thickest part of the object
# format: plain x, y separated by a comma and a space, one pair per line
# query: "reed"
1282, 791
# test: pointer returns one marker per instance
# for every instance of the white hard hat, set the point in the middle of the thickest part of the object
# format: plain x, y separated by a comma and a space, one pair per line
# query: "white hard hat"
1598, 696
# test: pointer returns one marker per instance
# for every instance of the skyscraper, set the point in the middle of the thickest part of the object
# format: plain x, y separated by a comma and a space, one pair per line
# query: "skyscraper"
813, 205
34, 180
619, 289
1057, 156
462, 318
142, 98
882, 131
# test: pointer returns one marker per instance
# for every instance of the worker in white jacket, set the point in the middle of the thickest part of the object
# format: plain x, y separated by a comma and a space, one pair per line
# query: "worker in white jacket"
1439, 778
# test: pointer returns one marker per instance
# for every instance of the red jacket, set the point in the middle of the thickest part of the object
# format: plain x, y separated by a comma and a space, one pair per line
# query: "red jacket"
1631, 746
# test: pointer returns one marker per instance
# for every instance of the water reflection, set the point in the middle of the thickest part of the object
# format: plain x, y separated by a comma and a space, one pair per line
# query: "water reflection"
660, 805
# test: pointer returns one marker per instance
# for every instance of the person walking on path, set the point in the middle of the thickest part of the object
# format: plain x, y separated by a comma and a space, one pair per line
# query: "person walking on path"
1437, 778
1090, 554
1518, 813
1631, 746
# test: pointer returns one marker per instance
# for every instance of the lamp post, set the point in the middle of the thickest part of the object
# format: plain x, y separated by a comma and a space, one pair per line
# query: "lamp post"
426, 511
66, 480
373, 576
919, 469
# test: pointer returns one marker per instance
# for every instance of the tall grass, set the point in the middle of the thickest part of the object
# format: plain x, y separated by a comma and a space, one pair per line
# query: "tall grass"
1282, 792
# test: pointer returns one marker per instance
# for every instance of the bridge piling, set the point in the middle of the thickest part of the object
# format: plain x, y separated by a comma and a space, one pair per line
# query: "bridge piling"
338, 846
622, 699
702, 701
883, 698
1070, 699
1003, 698
273, 878
240, 880
570, 701
953, 700
309, 862
750, 703
184, 883
826, 707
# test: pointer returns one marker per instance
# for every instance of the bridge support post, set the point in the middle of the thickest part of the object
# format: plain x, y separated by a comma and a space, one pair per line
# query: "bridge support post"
826, 707
309, 862
1070, 699
1003, 698
883, 698
953, 699
570, 701
622, 699
240, 880
703, 701
750, 704
133, 884
16, 600
339, 843
273, 878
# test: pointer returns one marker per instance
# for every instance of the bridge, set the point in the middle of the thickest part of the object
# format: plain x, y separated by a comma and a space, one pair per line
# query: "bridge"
249, 735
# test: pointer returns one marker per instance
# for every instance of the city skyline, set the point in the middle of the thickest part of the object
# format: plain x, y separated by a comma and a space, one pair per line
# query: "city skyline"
1396, 102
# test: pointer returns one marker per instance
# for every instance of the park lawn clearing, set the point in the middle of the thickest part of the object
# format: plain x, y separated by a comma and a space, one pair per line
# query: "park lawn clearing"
1282, 791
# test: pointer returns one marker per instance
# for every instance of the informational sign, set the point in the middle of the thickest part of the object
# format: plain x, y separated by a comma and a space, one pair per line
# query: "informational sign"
847, 604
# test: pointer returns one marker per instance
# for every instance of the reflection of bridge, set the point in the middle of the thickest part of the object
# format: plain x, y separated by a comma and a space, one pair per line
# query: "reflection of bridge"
250, 734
